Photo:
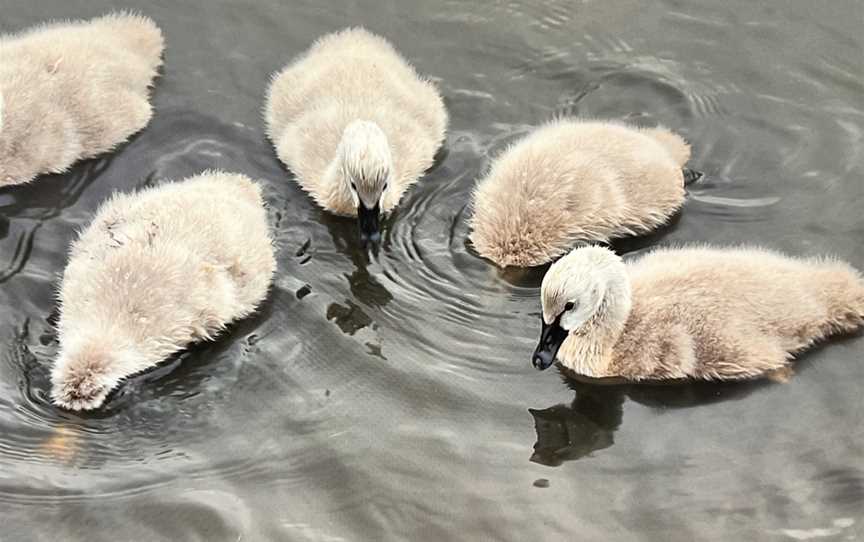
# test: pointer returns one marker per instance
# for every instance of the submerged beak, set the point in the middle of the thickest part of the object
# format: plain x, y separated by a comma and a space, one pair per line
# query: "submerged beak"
370, 220
551, 338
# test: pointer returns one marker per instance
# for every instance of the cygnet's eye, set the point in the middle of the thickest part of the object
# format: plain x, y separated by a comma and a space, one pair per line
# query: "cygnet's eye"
569, 306
353, 186
385, 187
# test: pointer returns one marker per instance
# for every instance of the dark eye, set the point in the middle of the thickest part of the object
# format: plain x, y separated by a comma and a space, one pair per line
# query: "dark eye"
353, 186
569, 306
385, 186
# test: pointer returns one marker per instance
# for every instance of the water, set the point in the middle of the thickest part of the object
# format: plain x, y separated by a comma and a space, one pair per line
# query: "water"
391, 396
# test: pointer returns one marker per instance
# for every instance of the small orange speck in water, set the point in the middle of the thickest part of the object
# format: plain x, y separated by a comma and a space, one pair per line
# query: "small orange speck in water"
62, 445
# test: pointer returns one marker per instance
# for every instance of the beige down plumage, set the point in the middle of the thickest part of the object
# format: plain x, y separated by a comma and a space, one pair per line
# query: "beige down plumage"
701, 313
355, 123
155, 271
574, 181
73, 90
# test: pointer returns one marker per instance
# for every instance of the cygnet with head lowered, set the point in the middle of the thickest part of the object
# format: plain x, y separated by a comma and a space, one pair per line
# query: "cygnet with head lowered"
573, 181
692, 313
155, 271
356, 124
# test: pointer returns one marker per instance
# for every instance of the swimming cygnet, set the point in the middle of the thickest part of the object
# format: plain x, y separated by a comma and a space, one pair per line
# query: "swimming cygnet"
156, 270
702, 313
573, 181
354, 122
73, 90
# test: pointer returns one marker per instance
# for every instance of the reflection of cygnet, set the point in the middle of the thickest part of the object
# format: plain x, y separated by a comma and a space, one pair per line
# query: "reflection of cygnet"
73, 90
155, 271
356, 124
704, 313
573, 181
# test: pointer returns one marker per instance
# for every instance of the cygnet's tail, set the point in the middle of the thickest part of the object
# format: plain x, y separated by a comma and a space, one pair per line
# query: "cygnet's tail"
672, 142
843, 288
136, 33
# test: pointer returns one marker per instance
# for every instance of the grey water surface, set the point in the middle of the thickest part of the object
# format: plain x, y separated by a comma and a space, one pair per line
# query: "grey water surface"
390, 396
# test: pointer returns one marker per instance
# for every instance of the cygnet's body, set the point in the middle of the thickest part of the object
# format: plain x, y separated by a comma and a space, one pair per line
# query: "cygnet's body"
574, 181
355, 123
702, 313
73, 90
155, 271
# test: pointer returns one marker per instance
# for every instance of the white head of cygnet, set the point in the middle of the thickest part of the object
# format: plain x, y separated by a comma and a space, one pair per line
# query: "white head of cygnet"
585, 293
367, 167
87, 370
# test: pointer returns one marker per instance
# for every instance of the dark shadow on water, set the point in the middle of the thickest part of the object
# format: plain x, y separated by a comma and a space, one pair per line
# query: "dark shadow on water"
364, 287
625, 245
588, 424
524, 277
34, 203
349, 317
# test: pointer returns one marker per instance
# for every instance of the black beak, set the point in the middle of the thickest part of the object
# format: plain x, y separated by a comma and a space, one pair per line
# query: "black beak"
551, 338
370, 223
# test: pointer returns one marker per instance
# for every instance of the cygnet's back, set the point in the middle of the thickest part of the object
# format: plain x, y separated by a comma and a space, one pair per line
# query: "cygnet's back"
73, 90
576, 181
155, 271
345, 76
732, 313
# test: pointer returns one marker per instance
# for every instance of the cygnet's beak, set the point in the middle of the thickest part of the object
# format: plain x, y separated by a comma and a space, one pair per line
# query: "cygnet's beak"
370, 223
551, 338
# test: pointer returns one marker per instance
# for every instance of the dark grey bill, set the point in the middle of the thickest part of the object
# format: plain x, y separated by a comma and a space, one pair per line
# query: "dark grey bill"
551, 338
370, 223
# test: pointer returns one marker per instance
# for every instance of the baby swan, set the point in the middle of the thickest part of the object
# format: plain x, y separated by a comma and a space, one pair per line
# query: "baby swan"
574, 181
356, 125
73, 90
703, 313
155, 271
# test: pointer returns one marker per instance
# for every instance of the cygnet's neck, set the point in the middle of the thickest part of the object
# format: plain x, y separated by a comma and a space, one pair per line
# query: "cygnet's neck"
588, 350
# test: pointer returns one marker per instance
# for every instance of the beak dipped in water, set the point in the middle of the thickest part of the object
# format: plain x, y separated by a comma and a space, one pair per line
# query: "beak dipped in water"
551, 338
370, 223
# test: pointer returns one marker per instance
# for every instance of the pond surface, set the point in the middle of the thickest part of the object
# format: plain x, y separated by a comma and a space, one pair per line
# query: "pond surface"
391, 396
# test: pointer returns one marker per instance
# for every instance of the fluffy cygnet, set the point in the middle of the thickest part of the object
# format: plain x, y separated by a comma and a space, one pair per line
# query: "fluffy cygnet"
73, 90
156, 270
704, 313
356, 124
573, 181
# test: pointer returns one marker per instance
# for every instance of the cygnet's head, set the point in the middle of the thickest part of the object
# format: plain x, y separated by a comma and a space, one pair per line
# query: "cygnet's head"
576, 289
367, 164
83, 377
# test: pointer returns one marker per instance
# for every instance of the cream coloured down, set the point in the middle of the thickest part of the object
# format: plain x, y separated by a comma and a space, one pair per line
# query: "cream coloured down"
354, 122
697, 312
572, 181
155, 271
73, 90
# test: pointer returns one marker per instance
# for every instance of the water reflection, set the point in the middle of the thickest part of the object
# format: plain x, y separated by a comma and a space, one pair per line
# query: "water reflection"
364, 286
589, 423
34, 203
